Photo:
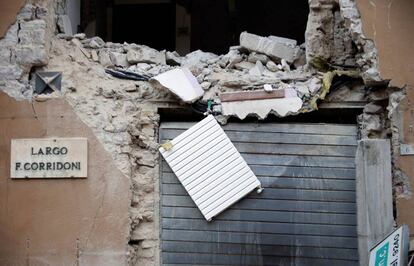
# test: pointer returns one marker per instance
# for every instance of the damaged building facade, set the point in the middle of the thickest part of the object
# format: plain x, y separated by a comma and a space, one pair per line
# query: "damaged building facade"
326, 125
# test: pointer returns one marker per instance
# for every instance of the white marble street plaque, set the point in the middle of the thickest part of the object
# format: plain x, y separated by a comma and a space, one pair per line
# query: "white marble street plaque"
49, 158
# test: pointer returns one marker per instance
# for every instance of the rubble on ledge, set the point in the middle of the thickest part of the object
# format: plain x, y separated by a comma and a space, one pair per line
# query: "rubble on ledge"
258, 61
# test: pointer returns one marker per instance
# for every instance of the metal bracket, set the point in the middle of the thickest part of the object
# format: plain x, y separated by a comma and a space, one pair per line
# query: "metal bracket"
48, 82
406, 149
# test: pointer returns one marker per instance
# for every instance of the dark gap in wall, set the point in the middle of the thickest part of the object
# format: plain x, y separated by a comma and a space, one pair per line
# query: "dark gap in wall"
217, 24
134, 242
148, 24
328, 115
189, 25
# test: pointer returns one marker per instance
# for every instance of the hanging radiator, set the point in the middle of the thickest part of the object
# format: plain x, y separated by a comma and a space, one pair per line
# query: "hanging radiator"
209, 167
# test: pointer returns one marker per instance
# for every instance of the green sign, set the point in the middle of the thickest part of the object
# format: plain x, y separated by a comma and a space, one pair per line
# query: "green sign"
381, 256
392, 251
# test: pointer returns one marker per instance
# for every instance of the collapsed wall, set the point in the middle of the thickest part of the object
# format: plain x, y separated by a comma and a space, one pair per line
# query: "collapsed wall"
337, 64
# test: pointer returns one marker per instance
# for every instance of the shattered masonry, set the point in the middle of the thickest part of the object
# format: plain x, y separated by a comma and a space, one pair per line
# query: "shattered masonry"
124, 113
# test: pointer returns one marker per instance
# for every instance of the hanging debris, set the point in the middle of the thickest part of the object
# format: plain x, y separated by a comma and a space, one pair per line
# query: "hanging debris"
205, 153
182, 83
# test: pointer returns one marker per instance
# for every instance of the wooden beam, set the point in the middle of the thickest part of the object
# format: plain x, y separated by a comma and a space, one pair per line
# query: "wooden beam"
251, 95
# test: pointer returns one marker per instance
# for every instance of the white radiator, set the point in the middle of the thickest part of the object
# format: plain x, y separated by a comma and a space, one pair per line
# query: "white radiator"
209, 167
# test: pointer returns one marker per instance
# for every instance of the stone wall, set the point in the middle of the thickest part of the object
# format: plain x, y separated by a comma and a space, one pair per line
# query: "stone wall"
25, 46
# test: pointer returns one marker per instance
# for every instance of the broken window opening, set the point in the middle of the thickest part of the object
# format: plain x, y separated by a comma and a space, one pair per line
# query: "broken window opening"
187, 25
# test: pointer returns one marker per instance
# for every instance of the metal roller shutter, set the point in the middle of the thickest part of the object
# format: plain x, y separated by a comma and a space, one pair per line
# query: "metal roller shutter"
306, 214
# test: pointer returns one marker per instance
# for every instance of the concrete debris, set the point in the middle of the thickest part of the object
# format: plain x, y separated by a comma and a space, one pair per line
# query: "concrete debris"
314, 85
31, 55
232, 58
10, 72
261, 108
64, 25
104, 58
205, 85
64, 36
118, 59
257, 70
244, 65
372, 108
94, 43
80, 36
371, 122
272, 66
173, 58
287, 41
294, 75
197, 60
182, 83
94, 56
275, 47
348, 94
254, 57
335, 34
32, 32
267, 87
301, 59
78, 44
284, 65
402, 185
367, 56
145, 54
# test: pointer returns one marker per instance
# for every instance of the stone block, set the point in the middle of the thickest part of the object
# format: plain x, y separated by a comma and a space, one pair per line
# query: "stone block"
31, 55
80, 36
15, 89
373, 108
104, 58
257, 70
143, 54
286, 41
94, 56
254, 57
27, 12
118, 59
10, 39
5, 55
94, 43
64, 24
32, 32
173, 58
244, 65
41, 12
197, 58
272, 66
275, 47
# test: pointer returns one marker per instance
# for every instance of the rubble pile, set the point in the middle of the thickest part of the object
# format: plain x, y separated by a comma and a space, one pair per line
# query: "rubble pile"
276, 62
